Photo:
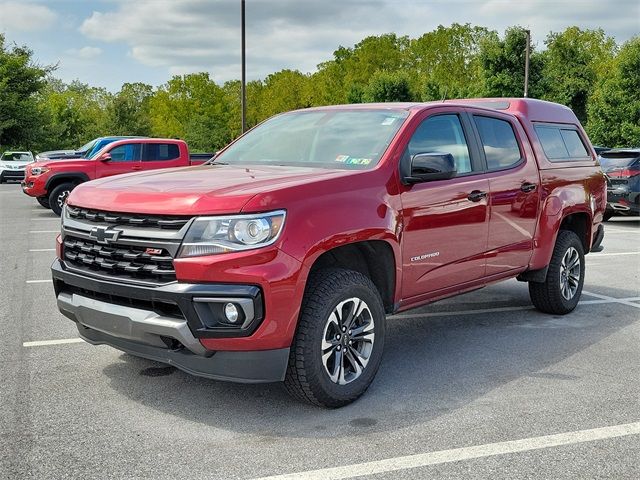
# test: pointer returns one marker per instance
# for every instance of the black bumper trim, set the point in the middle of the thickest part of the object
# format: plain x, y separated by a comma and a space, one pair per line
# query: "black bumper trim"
259, 366
180, 294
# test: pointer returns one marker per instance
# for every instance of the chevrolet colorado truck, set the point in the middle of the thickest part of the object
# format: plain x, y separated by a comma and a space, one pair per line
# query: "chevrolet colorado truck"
280, 259
51, 181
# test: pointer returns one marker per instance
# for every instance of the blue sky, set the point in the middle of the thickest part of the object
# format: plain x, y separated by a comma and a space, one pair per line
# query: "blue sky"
109, 42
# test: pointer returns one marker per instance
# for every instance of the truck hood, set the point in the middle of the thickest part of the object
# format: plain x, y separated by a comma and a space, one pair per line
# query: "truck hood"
201, 190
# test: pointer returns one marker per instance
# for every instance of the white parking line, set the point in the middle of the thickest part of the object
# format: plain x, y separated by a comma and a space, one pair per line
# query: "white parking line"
44, 231
39, 281
42, 250
623, 301
465, 453
596, 255
61, 341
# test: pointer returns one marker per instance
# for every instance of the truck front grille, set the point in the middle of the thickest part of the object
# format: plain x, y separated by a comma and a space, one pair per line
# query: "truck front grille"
153, 221
126, 262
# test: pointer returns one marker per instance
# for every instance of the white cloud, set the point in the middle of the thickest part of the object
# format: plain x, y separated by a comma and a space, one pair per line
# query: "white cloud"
24, 16
85, 53
200, 35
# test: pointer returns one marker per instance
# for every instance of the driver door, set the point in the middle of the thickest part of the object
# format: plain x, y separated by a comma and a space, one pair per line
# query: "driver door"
124, 159
446, 222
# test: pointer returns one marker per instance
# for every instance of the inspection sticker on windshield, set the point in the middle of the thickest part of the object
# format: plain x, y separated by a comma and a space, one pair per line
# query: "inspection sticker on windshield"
342, 158
388, 121
348, 160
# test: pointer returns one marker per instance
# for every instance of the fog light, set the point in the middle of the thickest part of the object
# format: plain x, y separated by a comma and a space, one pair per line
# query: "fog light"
231, 312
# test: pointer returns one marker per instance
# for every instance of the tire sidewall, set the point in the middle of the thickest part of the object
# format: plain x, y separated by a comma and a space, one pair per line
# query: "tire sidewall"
313, 349
53, 198
570, 240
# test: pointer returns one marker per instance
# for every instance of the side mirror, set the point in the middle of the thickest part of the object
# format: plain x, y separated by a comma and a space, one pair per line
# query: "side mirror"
425, 167
105, 157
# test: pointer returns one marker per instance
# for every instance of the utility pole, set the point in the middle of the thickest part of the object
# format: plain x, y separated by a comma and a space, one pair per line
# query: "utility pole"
243, 88
526, 63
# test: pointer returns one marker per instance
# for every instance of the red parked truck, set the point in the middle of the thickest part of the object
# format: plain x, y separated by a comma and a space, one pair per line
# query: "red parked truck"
51, 181
279, 260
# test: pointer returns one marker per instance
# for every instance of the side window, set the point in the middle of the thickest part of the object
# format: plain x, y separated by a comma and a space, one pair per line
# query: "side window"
155, 152
442, 133
499, 142
126, 153
561, 144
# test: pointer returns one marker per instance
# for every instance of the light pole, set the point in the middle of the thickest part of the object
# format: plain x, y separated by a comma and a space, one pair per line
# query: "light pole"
243, 88
526, 63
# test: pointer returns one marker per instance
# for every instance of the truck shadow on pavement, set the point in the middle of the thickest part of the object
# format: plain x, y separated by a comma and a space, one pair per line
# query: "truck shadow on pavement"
431, 368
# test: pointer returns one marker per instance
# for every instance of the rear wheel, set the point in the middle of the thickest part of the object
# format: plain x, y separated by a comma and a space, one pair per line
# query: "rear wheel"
43, 201
339, 341
58, 197
607, 215
561, 290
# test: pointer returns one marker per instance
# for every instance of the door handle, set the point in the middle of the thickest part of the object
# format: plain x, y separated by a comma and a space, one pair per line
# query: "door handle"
528, 187
136, 167
476, 195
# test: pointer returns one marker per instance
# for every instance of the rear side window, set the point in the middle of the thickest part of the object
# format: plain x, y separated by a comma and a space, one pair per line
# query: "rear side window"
499, 142
561, 144
157, 152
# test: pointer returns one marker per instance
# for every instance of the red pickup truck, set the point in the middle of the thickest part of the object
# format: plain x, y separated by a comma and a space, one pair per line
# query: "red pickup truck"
51, 181
280, 260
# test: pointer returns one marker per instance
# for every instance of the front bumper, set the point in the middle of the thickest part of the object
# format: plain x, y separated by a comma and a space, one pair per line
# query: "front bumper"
11, 175
146, 325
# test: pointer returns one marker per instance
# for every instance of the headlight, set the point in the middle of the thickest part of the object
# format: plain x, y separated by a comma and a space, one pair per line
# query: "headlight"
213, 235
38, 170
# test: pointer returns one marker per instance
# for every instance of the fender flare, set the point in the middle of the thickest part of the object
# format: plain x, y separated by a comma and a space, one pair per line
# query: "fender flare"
76, 177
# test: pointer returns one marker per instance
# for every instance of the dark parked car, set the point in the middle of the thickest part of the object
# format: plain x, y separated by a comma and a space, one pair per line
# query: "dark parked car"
88, 150
622, 167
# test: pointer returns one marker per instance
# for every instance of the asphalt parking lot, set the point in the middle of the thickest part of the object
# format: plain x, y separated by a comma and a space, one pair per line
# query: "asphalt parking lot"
479, 386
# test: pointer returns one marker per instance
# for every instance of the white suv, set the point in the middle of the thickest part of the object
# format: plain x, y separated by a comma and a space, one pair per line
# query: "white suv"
12, 165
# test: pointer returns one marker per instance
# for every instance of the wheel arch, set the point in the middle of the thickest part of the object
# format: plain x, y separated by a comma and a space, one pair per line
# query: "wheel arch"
373, 258
72, 177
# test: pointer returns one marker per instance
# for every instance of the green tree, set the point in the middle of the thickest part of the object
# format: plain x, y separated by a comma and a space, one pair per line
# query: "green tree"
447, 63
574, 59
285, 90
20, 82
72, 114
388, 87
503, 62
614, 107
128, 112
191, 107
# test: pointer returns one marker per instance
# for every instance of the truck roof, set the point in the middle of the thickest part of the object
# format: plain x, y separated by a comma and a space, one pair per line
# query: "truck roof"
534, 110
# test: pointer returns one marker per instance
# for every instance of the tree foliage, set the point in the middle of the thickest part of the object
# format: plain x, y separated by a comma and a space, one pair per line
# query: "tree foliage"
614, 109
583, 69
20, 82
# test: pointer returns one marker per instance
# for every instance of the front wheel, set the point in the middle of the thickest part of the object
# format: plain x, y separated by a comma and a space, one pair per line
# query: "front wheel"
561, 290
339, 340
58, 197
43, 201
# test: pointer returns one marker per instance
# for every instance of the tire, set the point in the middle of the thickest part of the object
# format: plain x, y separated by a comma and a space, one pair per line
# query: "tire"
58, 196
43, 201
561, 290
320, 330
607, 215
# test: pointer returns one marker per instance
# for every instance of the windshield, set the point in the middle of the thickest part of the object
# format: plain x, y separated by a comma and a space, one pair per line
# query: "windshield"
616, 160
344, 139
16, 157
86, 147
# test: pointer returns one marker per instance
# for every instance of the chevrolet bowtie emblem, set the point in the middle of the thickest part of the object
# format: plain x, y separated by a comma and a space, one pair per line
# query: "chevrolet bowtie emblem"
104, 234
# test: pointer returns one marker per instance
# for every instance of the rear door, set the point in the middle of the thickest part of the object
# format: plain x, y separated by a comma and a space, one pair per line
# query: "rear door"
446, 221
124, 159
514, 183
162, 155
